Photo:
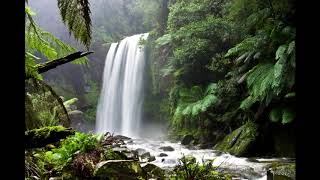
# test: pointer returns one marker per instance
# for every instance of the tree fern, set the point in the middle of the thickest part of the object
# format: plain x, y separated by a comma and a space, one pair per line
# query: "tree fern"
39, 41
267, 81
194, 101
76, 15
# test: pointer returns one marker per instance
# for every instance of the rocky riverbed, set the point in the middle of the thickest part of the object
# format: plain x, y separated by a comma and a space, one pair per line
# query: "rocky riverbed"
166, 155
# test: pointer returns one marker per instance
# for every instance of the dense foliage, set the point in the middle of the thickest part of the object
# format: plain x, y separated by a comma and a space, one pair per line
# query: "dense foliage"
246, 48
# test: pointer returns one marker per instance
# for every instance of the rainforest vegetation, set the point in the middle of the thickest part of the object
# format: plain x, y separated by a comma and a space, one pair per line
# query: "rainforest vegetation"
219, 75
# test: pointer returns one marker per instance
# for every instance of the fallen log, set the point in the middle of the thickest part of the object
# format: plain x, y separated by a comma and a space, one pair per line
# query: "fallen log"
44, 67
37, 138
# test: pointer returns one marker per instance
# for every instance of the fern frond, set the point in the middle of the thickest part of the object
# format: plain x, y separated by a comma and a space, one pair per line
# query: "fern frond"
38, 40
284, 114
76, 15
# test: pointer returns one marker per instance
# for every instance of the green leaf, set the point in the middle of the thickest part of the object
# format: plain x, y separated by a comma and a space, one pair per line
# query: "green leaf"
163, 40
247, 103
288, 115
29, 11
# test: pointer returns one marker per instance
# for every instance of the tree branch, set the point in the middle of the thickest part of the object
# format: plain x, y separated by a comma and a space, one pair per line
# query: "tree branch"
41, 68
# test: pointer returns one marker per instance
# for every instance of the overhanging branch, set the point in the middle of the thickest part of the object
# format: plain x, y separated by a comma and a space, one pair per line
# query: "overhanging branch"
54, 63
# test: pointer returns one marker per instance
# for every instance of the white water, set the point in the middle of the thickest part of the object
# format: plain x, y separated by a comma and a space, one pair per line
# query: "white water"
119, 108
245, 168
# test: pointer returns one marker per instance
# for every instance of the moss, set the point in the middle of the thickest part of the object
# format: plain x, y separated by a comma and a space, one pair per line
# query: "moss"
112, 155
153, 171
70, 102
115, 169
240, 140
283, 170
46, 135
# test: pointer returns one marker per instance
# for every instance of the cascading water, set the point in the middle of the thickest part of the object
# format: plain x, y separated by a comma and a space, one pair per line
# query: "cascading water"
120, 103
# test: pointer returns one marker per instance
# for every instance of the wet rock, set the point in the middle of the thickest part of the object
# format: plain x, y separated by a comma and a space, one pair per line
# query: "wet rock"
187, 139
131, 155
240, 141
121, 149
282, 171
77, 120
167, 148
163, 155
151, 171
118, 169
145, 155
140, 151
121, 137
151, 158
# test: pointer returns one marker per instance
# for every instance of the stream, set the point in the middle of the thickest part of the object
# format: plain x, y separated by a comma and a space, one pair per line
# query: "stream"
245, 168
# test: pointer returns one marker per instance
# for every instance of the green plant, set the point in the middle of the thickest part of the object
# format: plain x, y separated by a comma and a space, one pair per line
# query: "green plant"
189, 169
193, 102
59, 158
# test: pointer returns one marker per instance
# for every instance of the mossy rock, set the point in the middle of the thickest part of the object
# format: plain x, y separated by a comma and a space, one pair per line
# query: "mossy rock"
283, 171
118, 169
153, 171
240, 140
114, 155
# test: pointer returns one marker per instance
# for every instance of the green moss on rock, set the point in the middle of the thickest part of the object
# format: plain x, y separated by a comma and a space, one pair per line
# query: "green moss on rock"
153, 171
118, 169
283, 171
109, 154
240, 140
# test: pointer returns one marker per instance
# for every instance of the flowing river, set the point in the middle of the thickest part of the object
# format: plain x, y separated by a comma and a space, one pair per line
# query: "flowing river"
246, 168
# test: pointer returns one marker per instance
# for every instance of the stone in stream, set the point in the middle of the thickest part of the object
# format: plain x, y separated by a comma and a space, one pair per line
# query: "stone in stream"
121, 137
163, 155
145, 155
187, 139
152, 158
285, 171
167, 148
140, 151
118, 169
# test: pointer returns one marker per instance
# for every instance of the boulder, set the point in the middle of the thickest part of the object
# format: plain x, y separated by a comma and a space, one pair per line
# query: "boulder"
240, 141
120, 137
285, 171
151, 158
140, 151
163, 155
77, 120
145, 155
118, 169
187, 139
167, 148
151, 171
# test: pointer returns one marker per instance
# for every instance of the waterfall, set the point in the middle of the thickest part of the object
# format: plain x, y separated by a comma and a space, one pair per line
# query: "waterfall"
121, 98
